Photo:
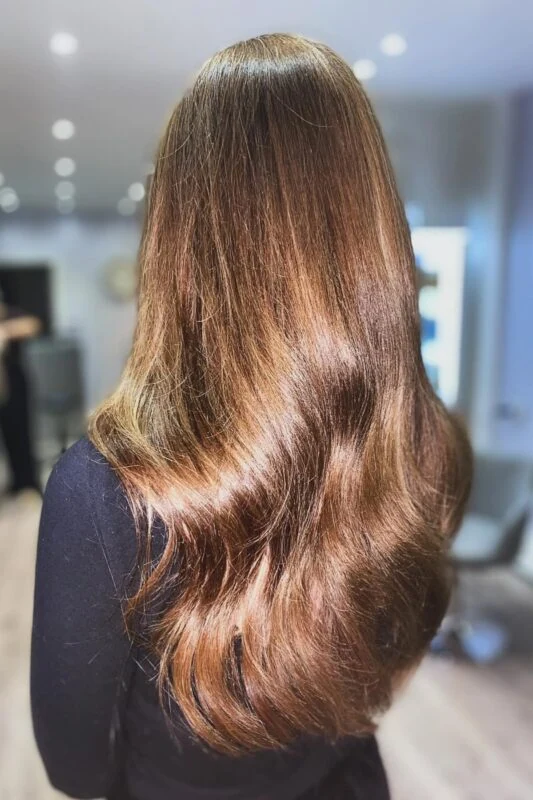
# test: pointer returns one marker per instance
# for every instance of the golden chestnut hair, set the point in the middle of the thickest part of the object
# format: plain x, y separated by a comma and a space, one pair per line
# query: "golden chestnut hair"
275, 414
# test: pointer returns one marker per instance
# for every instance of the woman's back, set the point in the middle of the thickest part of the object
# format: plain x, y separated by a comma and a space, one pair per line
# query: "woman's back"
98, 720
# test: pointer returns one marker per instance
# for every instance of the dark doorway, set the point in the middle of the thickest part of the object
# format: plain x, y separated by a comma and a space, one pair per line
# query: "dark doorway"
28, 288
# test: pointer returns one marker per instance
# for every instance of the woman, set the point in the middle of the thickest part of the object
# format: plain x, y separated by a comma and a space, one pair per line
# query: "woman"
15, 422
248, 555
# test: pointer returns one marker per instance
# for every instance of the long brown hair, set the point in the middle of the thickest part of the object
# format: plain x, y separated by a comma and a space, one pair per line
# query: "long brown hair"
275, 414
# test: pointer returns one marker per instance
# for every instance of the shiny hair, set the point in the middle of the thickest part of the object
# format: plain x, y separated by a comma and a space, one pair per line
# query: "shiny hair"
275, 414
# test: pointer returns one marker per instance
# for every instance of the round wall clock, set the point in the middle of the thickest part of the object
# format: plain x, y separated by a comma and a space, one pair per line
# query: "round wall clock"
120, 279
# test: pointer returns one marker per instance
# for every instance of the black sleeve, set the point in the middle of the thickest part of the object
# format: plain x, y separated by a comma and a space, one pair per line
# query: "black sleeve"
80, 651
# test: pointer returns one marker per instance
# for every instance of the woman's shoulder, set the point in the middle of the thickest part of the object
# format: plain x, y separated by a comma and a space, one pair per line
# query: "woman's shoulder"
86, 472
85, 496
83, 478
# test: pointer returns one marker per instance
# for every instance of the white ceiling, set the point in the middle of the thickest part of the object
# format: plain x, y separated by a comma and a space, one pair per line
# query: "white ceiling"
135, 57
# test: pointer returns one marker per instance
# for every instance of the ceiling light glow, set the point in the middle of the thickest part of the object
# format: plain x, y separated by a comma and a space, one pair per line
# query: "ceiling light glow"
63, 44
136, 192
64, 167
9, 200
393, 45
126, 206
364, 69
63, 129
65, 190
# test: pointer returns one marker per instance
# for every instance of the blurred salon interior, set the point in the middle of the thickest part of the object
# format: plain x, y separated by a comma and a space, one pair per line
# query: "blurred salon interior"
85, 89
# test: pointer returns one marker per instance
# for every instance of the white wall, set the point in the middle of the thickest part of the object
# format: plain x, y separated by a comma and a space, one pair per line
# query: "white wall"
439, 152
451, 159
77, 250
515, 425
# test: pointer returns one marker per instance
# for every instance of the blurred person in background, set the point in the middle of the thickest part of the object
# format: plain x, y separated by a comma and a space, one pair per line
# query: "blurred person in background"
15, 423
247, 556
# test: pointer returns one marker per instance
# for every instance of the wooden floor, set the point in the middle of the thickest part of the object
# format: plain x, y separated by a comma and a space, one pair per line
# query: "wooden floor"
21, 774
458, 732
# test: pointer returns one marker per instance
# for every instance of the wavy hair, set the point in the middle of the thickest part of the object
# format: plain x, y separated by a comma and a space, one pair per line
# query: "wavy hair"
275, 414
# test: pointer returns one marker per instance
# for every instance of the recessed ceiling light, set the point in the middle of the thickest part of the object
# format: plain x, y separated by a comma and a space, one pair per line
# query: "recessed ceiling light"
364, 69
63, 129
65, 167
65, 190
393, 45
9, 200
136, 192
126, 206
63, 44
1, 179
65, 205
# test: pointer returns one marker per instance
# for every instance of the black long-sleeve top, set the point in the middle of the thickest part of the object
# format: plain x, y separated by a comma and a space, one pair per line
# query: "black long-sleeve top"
98, 723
